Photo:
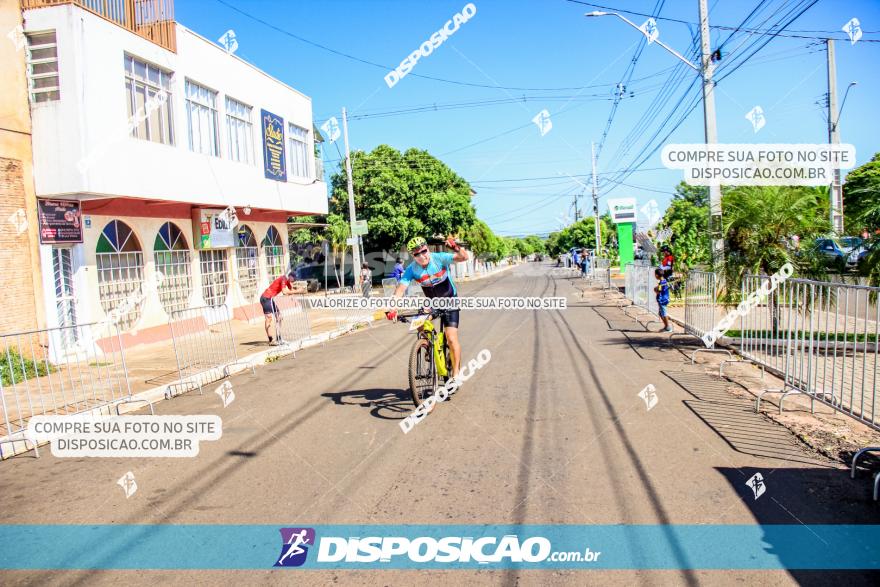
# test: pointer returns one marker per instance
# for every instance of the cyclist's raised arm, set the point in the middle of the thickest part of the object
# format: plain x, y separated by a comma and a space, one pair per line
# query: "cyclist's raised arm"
461, 253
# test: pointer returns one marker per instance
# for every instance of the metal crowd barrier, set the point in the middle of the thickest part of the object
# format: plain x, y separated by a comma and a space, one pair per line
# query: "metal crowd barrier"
822, 339
700, 303
204, 347
292, 325
58, 371
600, 272
639, 288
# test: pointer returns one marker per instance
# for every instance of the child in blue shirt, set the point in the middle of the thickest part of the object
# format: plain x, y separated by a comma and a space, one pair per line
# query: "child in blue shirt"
662, 291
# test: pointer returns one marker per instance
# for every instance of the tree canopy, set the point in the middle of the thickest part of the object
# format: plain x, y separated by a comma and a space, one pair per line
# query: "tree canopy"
861, 197
403, 195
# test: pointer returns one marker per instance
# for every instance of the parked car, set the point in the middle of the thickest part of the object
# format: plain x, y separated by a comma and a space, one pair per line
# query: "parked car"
864, 251
853, 246
834, 252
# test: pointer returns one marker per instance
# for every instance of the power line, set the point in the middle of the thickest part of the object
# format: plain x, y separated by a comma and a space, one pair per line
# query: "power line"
695, 103
387, 67
791, 34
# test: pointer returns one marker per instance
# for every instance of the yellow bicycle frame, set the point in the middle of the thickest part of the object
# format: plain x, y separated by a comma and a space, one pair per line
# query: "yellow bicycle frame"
439, 340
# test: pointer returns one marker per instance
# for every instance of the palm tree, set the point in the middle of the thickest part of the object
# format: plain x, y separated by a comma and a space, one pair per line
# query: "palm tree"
868, 218
760, 223
336, 234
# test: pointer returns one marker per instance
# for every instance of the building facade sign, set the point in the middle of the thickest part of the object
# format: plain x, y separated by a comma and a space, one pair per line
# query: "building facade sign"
212, 229
273, 146
60, 221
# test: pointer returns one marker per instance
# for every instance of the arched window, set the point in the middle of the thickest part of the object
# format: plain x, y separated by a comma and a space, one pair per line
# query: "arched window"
215, 276
247, 262
273, 249
120, 264
173, 261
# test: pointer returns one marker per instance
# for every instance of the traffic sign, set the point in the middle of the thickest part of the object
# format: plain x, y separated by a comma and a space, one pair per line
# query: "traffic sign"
359, 228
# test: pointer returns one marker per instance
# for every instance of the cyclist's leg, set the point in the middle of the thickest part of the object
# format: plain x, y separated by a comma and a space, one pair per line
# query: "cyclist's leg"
450, 328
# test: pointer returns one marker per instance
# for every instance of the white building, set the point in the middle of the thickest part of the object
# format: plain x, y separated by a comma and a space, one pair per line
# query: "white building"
155, 138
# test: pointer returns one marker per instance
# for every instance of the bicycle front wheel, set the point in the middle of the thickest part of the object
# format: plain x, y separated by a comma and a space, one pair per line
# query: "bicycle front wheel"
422, 374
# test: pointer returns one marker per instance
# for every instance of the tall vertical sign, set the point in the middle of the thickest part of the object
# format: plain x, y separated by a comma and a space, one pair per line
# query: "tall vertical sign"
273, 146
623, 214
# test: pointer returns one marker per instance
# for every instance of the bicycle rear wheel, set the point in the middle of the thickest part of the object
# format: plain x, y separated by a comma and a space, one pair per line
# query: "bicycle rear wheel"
422, 374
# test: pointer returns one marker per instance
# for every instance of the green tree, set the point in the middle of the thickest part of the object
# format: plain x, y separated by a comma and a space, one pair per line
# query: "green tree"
759, 222
690, 239
481, 239
698, 195
402, 195
861, 197
536, 244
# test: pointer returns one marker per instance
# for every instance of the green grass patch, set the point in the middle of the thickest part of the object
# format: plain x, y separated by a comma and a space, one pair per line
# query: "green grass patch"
16, 369
805, 335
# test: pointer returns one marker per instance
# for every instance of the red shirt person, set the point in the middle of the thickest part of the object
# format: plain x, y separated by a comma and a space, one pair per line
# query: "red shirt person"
281, 285
667, 262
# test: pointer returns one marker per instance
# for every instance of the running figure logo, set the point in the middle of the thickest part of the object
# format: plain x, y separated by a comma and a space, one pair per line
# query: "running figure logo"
294, 546
756, 483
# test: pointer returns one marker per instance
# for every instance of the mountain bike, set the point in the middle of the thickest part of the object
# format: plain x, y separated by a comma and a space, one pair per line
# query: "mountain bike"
429, 358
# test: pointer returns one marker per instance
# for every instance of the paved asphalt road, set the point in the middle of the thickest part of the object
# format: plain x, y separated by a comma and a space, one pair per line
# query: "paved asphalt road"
550, 431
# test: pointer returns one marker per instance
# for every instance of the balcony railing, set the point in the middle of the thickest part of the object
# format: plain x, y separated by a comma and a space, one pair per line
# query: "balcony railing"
150, 19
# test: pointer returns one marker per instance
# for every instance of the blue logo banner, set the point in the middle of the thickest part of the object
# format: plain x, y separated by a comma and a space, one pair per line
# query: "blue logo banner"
300, 547
273, 146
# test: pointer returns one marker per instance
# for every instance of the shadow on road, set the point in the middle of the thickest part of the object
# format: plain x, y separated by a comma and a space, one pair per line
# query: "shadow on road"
386, 404
809, 496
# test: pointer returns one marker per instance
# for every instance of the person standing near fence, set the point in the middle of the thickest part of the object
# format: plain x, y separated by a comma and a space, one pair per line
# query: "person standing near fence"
662, 291
667, 261
281, 285
366, 280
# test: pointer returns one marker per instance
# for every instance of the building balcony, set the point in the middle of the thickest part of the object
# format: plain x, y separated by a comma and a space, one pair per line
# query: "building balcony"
151, 19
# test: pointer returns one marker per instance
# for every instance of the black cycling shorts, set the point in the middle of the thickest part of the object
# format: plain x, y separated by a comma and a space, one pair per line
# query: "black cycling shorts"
269, 306
450, 319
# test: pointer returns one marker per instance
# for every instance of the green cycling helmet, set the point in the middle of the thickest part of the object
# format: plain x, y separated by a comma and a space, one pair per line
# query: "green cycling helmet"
416, 243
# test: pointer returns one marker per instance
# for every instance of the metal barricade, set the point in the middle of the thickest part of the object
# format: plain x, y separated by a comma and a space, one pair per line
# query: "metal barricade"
204, 347
600, 274
700, 302
639, 287
823, 339
58, 371
292, 320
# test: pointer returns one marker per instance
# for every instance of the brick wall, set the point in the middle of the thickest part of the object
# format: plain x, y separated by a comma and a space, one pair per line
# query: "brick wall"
17, 301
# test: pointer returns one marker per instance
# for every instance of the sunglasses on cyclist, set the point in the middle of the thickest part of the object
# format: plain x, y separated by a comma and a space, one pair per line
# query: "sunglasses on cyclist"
421, 252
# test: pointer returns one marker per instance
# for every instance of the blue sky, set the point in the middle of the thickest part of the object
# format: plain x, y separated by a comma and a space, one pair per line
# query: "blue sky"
547, 47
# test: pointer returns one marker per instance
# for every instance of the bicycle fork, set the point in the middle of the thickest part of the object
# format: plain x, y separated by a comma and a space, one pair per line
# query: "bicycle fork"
439, 359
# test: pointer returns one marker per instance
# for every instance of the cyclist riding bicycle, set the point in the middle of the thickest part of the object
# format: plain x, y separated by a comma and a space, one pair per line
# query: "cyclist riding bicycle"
431, 272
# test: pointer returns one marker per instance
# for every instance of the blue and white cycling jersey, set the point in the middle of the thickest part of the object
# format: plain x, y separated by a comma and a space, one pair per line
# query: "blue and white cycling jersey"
434, 277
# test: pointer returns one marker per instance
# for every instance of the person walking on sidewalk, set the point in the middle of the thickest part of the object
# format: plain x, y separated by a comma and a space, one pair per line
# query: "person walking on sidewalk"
366, 280
662, 291
281, 285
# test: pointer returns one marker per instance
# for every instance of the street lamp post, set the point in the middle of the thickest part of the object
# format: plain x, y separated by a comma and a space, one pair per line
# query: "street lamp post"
705, 69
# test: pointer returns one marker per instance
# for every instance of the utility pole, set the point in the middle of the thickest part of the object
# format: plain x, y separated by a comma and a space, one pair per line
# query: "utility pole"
355, 248
705, 70
575, 202
707, 67
595, 198
836, 190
